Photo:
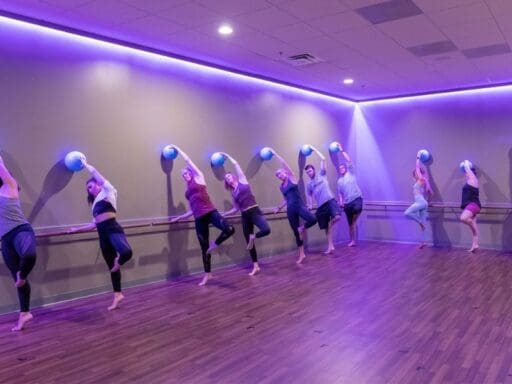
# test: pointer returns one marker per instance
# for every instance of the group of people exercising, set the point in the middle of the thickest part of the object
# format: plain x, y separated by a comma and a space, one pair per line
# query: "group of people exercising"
19, 242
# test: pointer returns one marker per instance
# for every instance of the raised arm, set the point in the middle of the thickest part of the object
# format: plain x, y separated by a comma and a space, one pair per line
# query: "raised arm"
323, 170
10, 186
198, 175
422, 171
419, 174
240, 173
100, 180
347, 157
285, 165
472, 179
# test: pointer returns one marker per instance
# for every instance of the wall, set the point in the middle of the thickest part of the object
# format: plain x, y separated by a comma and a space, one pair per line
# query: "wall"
467, 125
61, 93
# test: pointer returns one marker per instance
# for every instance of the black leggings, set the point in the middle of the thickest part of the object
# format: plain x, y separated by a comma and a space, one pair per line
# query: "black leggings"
250, 218
19, 252
113, 242
295, 213
203, 234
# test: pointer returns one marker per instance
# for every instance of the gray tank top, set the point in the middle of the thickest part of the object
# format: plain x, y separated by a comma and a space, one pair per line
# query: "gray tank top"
10, 215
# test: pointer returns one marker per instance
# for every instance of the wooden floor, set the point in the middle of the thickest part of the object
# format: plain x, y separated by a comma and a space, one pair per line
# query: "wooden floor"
377, 313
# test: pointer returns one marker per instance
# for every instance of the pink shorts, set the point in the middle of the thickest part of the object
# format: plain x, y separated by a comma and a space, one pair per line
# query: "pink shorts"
473, 208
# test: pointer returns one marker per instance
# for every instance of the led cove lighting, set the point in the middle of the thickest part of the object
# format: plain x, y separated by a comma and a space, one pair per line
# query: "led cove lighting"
124, 49
440, 95
120, 48
225, 30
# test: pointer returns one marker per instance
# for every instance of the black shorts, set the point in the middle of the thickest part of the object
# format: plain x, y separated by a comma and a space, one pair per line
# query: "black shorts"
326, 212
355, 207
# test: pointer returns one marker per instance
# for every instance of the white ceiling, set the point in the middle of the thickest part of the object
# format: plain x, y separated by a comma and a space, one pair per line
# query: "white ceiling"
390, 48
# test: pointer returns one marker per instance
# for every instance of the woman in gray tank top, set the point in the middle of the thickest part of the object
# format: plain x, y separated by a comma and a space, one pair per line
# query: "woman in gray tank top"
18, 242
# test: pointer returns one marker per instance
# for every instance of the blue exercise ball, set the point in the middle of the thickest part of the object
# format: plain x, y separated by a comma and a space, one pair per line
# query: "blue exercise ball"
217, 159
74, 161
461, 165
169, 152
306, 150
334, 147
266, 153
424, 155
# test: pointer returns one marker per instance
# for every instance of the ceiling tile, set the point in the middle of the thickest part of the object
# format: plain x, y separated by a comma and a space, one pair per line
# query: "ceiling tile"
316, 45
389, 10
267, 19
190, 14
229, 8
294, 32
339, 22
150, 26
437, 48
488, 50
110, 11
65, 4
476, 34
307, 9
439, 5
412, 31
261, 43
461, 15
354, 4
152, 5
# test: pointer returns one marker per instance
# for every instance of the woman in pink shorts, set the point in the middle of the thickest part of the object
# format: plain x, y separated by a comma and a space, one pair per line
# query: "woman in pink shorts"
470, 202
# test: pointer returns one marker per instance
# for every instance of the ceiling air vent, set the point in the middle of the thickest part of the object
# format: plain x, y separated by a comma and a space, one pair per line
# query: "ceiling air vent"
303, 59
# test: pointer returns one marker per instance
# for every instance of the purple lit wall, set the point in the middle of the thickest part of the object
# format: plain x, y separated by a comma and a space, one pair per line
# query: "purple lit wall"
120, 107
473, 125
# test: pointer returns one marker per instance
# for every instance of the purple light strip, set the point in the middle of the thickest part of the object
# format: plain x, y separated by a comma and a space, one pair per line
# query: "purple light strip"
503, 88
145, 52
97, 41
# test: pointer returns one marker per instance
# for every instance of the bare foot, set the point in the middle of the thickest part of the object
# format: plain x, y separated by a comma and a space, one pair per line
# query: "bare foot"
212, 247
329, 251
118, 297
255, 270
206, 277
301, 232
422, 245
19, 281
352, 244
301, 258
250, 243
473, 248
22, 319
116, 266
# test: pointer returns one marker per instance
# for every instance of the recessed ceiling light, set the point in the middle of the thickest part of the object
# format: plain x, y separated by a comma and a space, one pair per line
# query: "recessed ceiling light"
225, 30
348, 81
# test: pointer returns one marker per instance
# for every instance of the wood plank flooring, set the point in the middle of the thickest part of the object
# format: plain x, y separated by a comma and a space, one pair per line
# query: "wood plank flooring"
376, 313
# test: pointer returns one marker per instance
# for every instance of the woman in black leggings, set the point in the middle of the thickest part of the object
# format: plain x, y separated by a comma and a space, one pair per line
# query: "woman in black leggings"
245, 202
295, 207
204, 212
102, 197
18, 242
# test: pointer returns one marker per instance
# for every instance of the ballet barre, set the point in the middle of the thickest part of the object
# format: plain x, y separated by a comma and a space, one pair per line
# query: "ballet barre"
368, 205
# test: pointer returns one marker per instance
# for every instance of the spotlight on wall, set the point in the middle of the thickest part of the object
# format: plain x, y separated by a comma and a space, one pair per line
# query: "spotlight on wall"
225, 30
348, 81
